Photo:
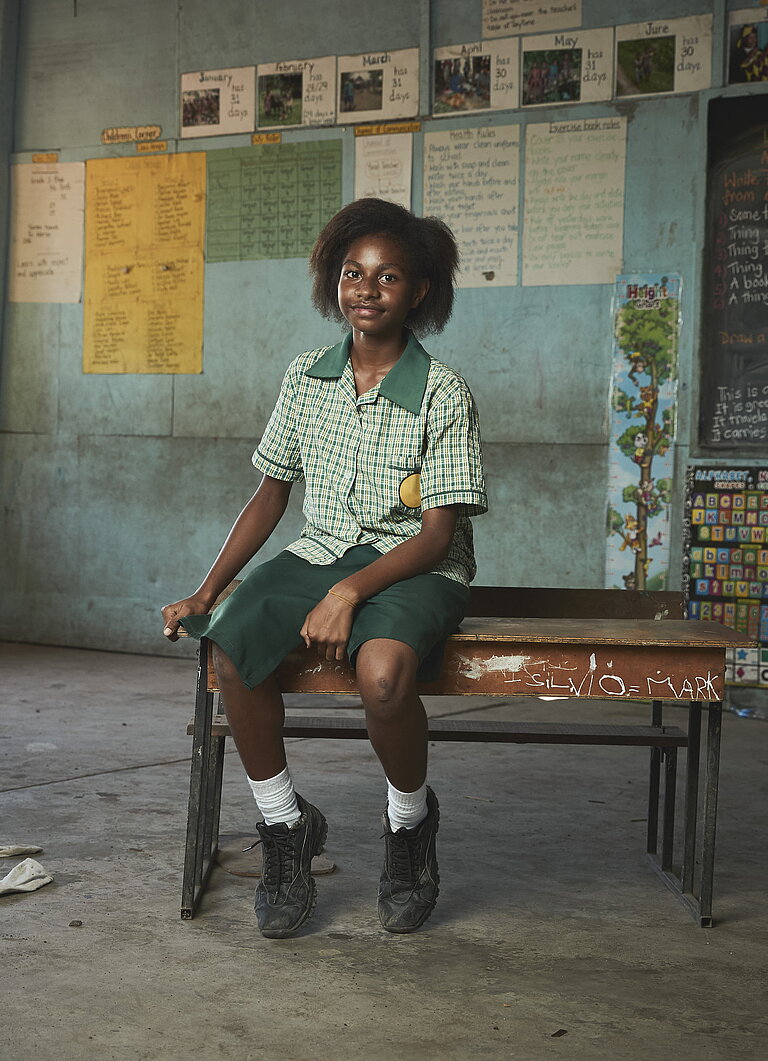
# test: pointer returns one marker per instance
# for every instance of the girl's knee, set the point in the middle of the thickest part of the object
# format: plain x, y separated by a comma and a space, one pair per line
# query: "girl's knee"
226, 671
386, 681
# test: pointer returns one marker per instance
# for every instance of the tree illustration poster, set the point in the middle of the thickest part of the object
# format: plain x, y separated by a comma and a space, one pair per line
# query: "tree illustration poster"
646, 330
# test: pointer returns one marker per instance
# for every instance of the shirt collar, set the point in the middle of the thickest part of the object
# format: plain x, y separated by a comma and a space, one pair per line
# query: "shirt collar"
405, 382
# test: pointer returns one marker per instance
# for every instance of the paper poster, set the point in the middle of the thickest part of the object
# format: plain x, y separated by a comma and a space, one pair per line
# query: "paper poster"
643, 422
574, 201
383, 166
471, 182
479, 76
296, 92
501, 18
378, 86
748, 45
574, 67
272, 200
725, 560
145, 223
215, 102
46, 257
669, 55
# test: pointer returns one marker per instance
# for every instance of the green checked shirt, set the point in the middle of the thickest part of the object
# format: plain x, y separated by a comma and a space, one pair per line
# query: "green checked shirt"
374, 463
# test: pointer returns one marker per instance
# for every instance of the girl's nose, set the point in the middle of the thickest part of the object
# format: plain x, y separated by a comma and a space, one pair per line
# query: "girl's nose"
368, 287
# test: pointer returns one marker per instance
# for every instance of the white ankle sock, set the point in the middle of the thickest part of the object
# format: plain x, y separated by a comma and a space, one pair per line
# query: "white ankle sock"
406, 810
276, 798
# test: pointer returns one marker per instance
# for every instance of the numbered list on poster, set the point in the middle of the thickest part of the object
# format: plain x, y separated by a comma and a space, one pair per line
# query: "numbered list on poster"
471, 180
144, 264
574, 202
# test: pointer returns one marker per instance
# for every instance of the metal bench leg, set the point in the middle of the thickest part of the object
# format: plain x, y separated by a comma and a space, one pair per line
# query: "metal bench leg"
691, 797
653, 785
670, 793
204, 794
711, 784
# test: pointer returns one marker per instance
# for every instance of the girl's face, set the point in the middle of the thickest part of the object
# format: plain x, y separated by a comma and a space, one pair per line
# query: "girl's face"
376, 289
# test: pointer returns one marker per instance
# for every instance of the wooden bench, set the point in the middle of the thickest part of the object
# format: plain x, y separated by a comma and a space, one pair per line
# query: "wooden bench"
589, 644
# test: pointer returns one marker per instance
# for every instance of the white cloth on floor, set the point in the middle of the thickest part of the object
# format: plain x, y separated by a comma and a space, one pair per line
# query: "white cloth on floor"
28, 876
7, 850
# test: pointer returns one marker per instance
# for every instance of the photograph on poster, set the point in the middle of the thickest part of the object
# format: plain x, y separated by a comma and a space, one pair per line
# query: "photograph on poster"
280, 99
378, 86
552, 76
462, 84
200, 107
362, 90
217, 102
482, 75
295, 92
645, 66
567, 68
748, 48
653, 58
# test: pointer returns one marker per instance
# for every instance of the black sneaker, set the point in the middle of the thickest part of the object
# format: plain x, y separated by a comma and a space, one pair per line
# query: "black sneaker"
286, 894
409, 881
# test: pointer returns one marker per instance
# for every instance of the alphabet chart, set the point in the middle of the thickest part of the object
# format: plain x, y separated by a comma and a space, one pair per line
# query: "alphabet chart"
725, 560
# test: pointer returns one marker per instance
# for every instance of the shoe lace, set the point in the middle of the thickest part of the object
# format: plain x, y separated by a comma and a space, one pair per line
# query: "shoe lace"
278, 855
403, 853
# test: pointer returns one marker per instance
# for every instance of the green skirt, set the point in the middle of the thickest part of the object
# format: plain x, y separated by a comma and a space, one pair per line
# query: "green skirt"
258, 625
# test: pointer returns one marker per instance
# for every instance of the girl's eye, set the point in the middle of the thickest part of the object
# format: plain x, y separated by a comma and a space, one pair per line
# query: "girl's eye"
352, 274
389, 277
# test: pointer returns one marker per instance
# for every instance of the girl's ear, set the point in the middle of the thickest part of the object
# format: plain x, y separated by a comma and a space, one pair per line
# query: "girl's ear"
419, 293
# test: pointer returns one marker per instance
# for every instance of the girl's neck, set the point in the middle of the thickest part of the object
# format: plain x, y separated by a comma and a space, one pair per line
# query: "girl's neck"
374, 352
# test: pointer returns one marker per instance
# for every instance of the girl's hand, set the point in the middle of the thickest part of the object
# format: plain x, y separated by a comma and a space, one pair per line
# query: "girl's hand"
328, 627
173, 612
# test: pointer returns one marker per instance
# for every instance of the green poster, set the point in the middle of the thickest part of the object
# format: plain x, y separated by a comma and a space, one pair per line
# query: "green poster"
270, 201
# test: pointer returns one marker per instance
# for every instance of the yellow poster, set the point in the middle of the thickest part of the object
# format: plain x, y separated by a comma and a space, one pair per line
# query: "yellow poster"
145, 229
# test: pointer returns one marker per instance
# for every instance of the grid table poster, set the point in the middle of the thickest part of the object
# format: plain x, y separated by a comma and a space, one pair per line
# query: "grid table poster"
725, 560
570, 67
272, 200
671, 55
643, 417
46, 259
378, 86
471, 180
296, 92
747, 46
504, 17
479, 76
145, 228
574, 201
215, 102
383, 166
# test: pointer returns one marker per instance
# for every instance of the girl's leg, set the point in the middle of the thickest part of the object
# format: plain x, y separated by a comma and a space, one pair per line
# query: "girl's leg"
286, 894
397, 722
397, 726
255, 717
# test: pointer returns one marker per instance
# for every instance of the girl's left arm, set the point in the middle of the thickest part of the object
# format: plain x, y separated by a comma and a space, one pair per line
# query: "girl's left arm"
329, 623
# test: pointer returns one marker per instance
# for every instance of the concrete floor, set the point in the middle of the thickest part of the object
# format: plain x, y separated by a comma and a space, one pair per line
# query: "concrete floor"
549, 919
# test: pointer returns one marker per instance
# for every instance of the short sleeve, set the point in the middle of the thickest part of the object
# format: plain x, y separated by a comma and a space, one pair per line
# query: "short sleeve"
452, 467
278, 454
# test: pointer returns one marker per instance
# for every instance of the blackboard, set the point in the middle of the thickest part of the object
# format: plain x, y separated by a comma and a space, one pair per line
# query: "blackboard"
734, 334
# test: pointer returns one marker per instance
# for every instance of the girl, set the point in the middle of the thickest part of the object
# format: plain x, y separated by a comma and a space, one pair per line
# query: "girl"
387, 440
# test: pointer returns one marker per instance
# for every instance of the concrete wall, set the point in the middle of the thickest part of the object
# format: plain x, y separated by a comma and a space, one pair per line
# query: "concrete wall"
118, 490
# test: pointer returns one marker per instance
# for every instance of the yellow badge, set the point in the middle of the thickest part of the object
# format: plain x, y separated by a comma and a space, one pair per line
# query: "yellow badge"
410, 491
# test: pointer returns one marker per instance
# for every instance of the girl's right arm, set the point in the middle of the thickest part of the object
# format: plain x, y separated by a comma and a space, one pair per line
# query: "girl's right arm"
250, 531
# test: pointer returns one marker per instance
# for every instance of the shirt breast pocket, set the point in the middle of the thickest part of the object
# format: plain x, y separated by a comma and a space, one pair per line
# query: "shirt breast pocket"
403, 474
